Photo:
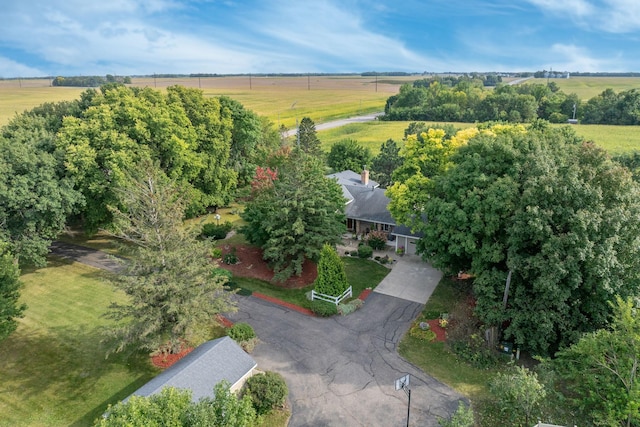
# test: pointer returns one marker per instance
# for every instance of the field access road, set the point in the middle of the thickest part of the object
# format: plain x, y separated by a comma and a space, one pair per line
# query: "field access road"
338, 123
341, 370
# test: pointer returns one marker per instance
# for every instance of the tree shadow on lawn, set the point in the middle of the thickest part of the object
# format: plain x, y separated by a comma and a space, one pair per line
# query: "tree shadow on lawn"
65, 371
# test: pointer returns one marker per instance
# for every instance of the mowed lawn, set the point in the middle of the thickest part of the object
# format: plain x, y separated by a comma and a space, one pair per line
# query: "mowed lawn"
53, 368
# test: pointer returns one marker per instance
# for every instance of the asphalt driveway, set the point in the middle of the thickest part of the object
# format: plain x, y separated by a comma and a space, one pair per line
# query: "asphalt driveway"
341, 370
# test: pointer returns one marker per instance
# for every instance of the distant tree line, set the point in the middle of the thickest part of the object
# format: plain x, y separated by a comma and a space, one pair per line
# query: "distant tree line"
463, 99
540, 74
90, 81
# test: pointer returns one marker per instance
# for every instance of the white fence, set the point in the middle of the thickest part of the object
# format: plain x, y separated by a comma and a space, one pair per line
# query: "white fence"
328, 298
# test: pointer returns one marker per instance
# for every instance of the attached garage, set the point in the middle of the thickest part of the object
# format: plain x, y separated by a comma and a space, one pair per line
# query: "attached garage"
405, 239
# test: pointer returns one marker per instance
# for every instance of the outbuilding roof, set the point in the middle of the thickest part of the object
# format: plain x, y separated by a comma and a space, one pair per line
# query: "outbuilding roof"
203, 368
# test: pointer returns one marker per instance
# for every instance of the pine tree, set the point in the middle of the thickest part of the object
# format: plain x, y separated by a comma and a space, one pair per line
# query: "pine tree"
307, 138
332, 278
169, 278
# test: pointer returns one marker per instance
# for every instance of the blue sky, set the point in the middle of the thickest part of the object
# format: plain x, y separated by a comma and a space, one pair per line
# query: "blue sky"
131, 37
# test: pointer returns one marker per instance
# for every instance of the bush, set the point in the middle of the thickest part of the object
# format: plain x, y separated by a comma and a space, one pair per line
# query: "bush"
377, 240
323, 308
241, 331
353, 253
216, 231
349, 307
231, 257
332, 278
365, 251
216, 253
266, 391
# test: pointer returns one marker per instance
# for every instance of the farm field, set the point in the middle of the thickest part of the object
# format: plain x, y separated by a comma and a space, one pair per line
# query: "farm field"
281, 99
588, 87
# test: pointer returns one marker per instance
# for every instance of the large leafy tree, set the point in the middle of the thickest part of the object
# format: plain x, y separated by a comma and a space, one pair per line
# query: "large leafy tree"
253, 138
601, 372
558, 214
425, 156
10, 307
172, 286
187, 134
35, 199
293, 215
348, 155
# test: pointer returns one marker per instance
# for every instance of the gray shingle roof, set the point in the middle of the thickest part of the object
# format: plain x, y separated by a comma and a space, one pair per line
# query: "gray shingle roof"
200, 370
403, 230
369, 204
351, 178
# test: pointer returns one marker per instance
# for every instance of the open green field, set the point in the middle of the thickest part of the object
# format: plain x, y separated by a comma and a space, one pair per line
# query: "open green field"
53, 368
371, 134
588, 87
615, 139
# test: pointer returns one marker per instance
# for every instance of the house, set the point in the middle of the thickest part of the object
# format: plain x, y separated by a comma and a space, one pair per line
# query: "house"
366, 209
203, 368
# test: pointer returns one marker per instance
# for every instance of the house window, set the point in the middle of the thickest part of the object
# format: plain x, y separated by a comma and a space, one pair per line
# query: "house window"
385, 227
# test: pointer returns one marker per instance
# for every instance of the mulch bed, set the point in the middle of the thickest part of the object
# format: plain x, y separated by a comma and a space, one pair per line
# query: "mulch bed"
284, 304
441, 333
364, 294
165, 360
252, 265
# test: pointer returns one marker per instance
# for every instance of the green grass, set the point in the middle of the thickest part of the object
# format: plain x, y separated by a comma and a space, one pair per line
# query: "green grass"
371, 134
588, 87
435, 359
614, 139
276, 418
53, 368
361, 274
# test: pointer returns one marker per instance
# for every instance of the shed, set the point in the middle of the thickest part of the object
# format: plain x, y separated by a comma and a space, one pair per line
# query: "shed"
203, 368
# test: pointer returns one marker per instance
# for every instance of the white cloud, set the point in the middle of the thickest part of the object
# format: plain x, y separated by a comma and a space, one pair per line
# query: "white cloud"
569, 57
613, 16
11, 68
338, 34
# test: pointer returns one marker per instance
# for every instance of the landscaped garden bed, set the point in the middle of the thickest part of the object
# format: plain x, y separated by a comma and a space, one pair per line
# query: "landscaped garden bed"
252, 274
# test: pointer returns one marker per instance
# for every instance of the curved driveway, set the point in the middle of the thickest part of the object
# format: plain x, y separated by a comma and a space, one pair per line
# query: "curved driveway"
341, 370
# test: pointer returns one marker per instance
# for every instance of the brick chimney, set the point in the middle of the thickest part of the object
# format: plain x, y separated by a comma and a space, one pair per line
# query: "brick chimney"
364, 177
